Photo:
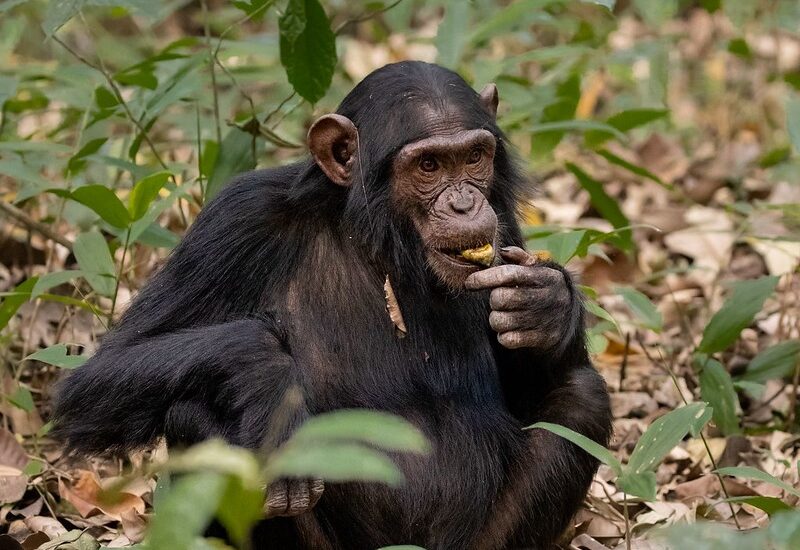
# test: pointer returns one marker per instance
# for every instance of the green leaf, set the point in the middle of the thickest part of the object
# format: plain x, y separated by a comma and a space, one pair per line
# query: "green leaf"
217, 456
608, 207
235, 156
78, 160
736, 313
642, 308
515, 15
595, 309
774, 362
450, 38
662, 436
793, 121
595, 449
562, 246
240, 508
716, 388
376, 428
57, 356
333, 462
634, 118
578, 125
255, 9
22, 399
739, 47
20, 295
770, 505
642, 485
92, 253
144, 193
186, 510
630, 167
104, 98
656, 12
308, 48
749, 472
104, 202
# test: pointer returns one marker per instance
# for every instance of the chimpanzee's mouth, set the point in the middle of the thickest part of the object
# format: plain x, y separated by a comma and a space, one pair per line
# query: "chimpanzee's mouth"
481, 256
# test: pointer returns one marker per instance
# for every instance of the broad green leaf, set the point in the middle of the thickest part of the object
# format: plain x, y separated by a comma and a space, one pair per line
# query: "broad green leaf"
633, 168
608, 207
255, 9
22, 399
642, 308
642, 485
144, 192
716, 388
308, 48
104, 202
656, 12
240, 508
562, 246
770, 505
373, 427
235, 156
78, 160
595, 449
91, 251
595, 309
186, 510
774, 362
217, 456
15, 299
793, 121
736, 313
514, 15
56, 355
450, 38
578, 125
749, 472
633, 118
662, 436
333, 461
50, 280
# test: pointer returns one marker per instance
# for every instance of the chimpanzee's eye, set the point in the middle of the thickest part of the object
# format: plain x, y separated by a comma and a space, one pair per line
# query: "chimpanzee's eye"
474, 156
428, 163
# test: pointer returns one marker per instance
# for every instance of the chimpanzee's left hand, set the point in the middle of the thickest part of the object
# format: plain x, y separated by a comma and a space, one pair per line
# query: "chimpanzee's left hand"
531, 300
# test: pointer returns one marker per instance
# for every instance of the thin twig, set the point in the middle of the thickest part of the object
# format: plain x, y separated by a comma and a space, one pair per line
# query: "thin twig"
119, 276
365, 16
14, 212
627, 520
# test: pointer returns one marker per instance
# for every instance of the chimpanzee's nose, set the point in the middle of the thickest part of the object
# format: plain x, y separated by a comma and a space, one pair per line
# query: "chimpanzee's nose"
461, 200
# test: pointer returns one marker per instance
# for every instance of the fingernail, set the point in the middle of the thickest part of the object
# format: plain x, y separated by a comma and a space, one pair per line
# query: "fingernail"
505, 248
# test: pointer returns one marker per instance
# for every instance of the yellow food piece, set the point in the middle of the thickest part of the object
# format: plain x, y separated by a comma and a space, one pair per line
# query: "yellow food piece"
482, 255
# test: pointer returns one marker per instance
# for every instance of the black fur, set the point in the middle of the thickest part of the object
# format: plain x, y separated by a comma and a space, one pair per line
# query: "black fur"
279, 284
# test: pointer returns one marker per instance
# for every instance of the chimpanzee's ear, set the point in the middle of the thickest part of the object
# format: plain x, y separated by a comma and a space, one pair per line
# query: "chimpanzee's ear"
489, 98
333, 141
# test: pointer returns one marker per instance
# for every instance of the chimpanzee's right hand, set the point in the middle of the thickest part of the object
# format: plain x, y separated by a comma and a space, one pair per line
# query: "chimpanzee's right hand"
292, 497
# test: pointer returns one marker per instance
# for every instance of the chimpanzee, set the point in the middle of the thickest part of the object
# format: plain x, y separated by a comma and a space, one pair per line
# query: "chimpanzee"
282, 282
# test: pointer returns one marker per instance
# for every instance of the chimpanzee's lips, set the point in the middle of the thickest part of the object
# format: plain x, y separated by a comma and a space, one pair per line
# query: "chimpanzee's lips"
481, 255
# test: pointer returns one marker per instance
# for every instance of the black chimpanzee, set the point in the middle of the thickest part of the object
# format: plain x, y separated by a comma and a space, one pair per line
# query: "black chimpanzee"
280, 283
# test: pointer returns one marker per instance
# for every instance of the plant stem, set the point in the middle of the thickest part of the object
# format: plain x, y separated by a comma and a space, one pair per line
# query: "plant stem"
119, 276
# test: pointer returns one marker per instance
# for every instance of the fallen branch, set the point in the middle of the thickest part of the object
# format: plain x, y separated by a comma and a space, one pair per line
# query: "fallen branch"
17, 214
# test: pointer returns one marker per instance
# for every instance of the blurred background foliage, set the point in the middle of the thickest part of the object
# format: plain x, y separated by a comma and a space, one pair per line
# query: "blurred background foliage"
665, 137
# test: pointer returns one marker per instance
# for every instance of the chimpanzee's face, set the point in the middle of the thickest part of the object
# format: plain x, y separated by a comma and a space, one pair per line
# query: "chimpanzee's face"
441, 183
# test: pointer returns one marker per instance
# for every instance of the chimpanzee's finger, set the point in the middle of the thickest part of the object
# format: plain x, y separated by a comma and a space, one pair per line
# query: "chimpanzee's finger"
277, 499
516, 255
514, 275
527, 339
512, 299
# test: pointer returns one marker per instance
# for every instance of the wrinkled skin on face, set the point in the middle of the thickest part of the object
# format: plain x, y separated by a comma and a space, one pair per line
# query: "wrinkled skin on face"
441, 183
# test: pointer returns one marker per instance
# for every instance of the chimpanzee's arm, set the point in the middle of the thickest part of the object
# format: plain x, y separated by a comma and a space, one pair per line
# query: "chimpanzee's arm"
226, 380
192, 357
546, 375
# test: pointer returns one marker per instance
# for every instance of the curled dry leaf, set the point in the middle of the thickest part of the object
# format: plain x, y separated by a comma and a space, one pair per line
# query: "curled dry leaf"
394, 309
87, 496
13, 459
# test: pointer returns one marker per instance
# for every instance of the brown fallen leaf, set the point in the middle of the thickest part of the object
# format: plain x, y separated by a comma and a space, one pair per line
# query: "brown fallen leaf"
87, 496
13, 459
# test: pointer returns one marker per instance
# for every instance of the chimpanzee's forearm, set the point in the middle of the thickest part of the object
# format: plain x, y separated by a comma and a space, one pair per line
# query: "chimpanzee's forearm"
548, 482
221, 380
